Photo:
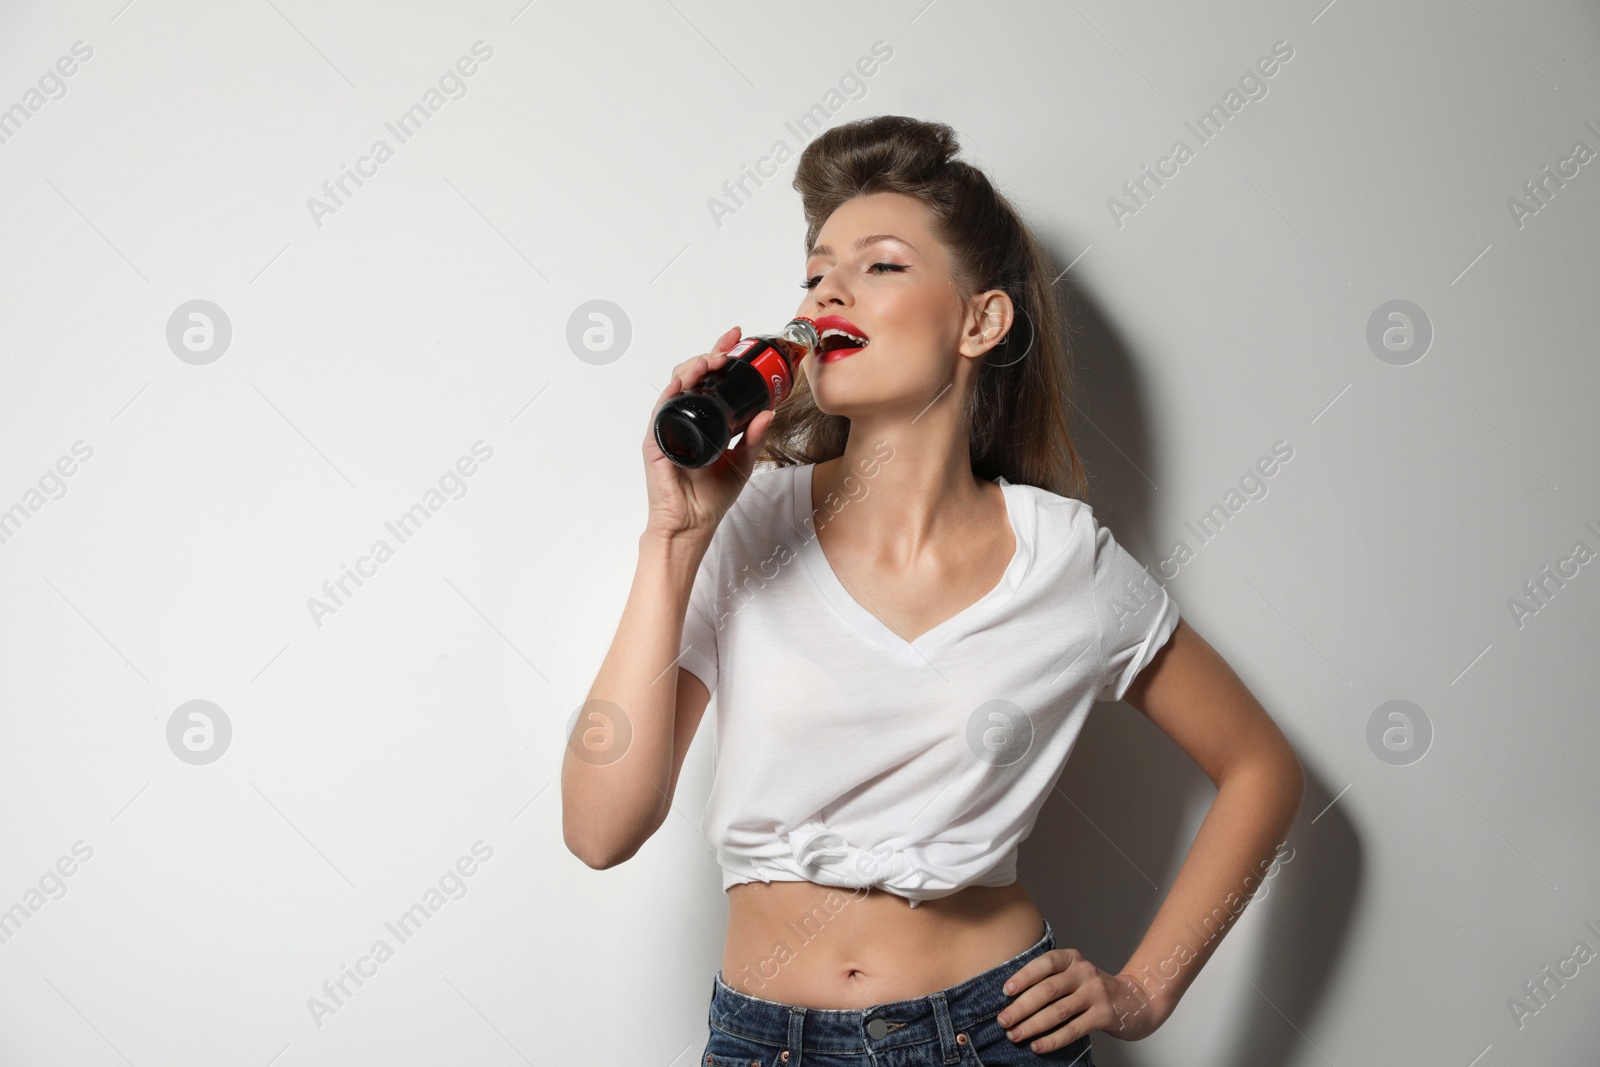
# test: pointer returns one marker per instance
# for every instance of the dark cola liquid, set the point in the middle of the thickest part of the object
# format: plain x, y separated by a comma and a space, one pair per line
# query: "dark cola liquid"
693, 428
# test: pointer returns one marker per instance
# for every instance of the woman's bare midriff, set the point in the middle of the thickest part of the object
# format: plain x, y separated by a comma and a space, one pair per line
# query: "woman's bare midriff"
819, 946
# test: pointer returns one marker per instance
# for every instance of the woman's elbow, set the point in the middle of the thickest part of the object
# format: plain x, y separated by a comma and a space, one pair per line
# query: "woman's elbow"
1290, 774
1276, 774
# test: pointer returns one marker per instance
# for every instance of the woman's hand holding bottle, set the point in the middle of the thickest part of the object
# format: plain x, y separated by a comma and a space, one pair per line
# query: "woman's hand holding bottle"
689, 502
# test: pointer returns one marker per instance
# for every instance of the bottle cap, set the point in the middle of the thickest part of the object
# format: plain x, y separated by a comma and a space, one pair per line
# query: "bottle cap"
810, 329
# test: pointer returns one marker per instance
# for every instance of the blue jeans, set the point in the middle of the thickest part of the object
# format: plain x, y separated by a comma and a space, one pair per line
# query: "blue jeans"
954, 1027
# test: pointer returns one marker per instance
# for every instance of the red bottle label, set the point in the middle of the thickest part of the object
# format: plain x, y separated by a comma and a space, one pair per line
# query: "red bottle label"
775, 370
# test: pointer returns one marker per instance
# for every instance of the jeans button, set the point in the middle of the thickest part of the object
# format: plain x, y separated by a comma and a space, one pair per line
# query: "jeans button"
877, 1028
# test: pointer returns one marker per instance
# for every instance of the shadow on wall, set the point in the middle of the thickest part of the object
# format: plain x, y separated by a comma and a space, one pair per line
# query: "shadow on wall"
1110, 840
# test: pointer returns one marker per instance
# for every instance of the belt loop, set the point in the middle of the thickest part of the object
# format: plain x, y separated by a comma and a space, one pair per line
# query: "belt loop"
797, 1025
947, 1032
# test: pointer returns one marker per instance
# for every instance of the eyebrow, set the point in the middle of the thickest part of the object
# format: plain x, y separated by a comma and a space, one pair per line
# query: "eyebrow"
824, 250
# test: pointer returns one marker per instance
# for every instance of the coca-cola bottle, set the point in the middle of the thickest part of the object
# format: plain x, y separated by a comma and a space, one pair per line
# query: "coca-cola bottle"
694, 427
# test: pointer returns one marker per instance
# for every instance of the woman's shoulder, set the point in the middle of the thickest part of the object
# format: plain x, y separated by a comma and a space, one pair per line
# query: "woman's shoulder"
772, 469
765, 499
1055, 509
772, 481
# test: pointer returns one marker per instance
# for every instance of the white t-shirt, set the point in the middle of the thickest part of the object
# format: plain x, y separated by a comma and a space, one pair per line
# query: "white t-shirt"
847, 756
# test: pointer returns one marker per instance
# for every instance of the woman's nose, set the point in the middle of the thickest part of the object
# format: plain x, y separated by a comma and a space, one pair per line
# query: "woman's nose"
830, 296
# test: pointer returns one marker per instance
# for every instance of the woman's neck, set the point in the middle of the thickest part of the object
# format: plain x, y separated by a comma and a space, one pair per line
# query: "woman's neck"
899, 506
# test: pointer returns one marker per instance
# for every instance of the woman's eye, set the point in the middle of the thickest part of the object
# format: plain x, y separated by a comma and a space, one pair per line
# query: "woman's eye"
811, 282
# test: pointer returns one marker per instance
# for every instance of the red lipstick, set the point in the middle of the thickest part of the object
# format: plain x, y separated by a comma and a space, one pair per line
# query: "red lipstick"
840, 338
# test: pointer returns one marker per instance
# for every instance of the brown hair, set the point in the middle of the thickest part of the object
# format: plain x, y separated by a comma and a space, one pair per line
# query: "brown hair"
1016, 407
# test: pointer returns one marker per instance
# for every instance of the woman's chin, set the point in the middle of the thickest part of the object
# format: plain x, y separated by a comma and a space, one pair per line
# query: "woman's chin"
836, 401
861, 397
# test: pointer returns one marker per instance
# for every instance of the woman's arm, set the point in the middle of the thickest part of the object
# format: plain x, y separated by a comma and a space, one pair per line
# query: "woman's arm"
1191, 693
611, 802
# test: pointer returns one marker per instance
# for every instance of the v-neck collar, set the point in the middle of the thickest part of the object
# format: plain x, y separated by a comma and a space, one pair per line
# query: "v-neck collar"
945, 633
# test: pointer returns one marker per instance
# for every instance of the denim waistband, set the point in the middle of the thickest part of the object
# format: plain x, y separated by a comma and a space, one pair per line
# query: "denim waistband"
936, 1017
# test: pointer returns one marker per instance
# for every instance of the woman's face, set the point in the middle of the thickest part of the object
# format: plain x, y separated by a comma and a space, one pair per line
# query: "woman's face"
900, 294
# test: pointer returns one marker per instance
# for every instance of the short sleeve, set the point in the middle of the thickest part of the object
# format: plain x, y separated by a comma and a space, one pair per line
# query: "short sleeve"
1135, 613
700, 622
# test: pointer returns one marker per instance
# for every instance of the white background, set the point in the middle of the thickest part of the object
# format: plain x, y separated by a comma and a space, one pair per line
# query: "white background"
370, 349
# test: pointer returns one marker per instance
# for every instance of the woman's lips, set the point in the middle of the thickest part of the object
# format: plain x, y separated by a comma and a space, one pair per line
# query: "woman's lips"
829, 327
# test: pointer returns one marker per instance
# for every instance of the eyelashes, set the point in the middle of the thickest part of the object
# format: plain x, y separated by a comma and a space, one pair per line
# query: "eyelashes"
811, 282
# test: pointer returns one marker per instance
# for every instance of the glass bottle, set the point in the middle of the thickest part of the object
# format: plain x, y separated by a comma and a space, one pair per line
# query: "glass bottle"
693, 428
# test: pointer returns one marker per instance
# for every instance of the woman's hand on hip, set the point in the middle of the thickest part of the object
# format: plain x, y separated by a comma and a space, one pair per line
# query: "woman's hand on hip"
1061, 986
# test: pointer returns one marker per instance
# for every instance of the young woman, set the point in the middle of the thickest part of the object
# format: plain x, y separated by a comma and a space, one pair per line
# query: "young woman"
906, 621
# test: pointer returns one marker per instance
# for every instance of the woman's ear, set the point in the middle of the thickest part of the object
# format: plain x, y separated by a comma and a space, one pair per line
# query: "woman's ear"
993, 314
